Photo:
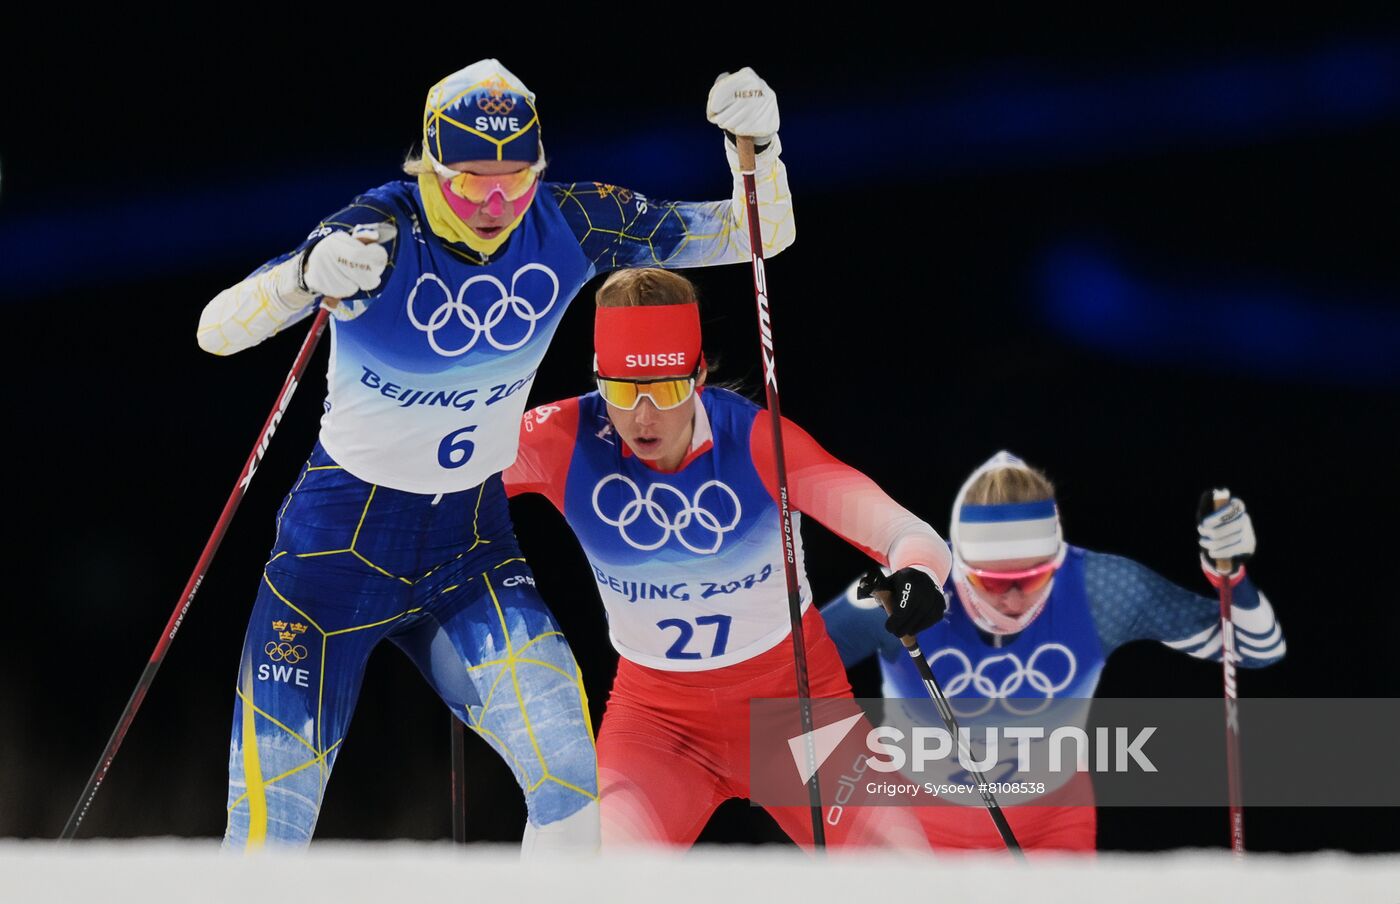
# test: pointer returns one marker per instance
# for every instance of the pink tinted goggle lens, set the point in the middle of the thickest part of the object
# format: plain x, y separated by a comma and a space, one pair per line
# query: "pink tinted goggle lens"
1028, 580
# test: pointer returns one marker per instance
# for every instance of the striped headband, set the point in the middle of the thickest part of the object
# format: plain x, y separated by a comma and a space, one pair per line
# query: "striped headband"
1013, 530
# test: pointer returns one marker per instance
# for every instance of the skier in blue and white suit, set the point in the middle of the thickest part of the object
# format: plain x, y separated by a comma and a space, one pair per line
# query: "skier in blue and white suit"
446, 291
1035, 618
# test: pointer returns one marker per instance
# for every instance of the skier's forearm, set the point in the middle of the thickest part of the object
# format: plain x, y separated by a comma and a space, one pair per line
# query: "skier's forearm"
774, 202
848, 503
261, 305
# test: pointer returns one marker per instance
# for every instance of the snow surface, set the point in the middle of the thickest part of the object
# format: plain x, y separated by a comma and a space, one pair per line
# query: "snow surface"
161, 870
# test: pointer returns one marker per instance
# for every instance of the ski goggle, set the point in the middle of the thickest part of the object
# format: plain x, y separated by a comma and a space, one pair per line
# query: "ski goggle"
1027, 580
477, 188
664, 394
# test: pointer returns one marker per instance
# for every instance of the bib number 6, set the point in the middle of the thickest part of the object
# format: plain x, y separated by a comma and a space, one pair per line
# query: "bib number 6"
456, 448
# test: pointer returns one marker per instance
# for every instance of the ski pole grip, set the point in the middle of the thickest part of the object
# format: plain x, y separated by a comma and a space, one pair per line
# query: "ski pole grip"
330, 303
745, 145
886, 599
1220, 499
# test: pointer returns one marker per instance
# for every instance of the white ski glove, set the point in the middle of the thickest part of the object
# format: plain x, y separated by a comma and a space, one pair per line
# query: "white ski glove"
741, 103
1226, 533
344, 263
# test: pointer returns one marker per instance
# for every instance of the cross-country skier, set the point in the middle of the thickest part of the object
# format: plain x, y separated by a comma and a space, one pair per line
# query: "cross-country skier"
450, 287
671, 490
1036, 617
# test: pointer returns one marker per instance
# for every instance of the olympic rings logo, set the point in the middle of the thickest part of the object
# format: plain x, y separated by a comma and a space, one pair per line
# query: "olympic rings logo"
496, 100
280, 652
1019, 674
499, 106
508, 303
691, 513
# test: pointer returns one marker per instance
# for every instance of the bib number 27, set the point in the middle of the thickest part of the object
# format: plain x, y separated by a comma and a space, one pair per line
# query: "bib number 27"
456, 448
687, 633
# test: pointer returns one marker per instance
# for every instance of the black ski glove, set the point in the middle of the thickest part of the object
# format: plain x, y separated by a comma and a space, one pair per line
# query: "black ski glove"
915, 602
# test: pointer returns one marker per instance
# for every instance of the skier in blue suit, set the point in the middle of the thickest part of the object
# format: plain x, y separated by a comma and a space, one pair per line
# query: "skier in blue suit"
446, 290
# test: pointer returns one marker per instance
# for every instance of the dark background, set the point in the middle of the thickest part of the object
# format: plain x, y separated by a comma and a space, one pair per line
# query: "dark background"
1149, 257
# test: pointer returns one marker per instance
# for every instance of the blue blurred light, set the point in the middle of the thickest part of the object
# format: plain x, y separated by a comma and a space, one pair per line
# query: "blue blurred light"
1008, 118
1093, 298
1018, 118
170, 235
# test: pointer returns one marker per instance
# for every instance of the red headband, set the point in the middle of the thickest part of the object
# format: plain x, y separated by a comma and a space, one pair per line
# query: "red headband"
639, 343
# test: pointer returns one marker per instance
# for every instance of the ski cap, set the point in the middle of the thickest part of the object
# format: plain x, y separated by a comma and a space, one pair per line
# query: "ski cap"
481, 112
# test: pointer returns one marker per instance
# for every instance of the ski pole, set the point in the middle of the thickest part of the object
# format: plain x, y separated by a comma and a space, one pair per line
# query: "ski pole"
1221, 498
945, 709
770, 385
459, 781
182, 606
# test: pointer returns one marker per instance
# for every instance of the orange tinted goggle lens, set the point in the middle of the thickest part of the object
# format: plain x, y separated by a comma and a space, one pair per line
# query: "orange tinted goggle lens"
477, 188
664, 394
1028, 583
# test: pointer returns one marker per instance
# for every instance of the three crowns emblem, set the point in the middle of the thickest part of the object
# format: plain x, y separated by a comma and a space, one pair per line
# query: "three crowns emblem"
287, 631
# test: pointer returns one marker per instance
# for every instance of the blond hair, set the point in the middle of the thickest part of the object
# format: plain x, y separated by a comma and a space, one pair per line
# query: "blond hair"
645, 286
1010, 485
419, 165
